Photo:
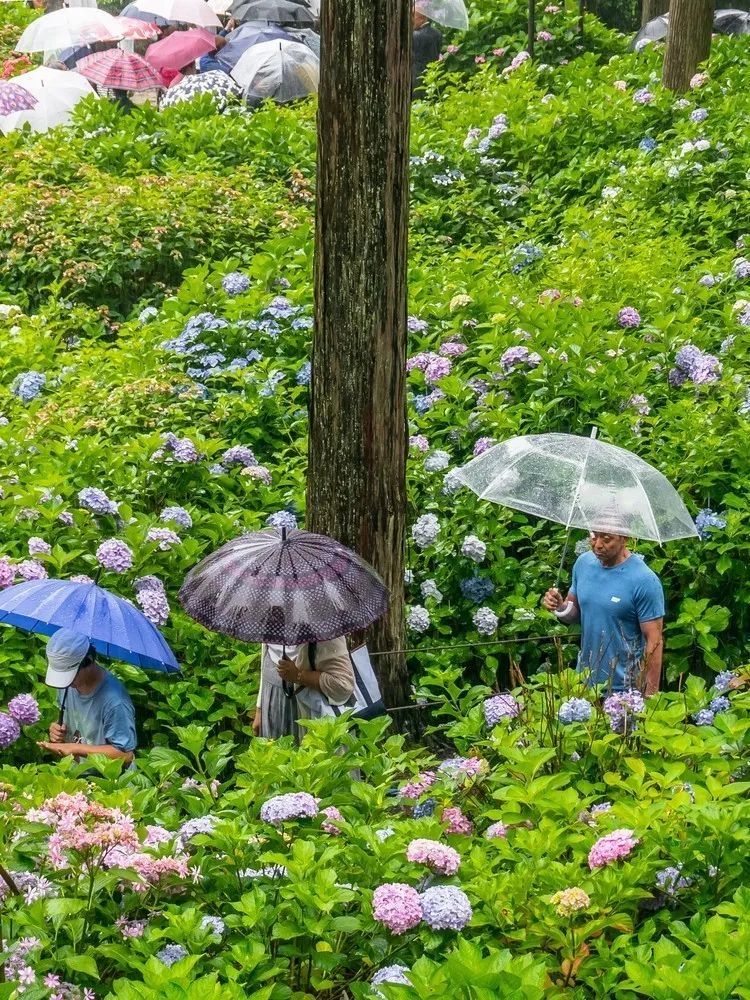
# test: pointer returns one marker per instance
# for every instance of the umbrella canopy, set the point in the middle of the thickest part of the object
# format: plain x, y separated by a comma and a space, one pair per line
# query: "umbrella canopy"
119, 70
135, 28
281, 70
273, 11
185, 11
220, 6
69, 27
292, 588
581, 483
214, 82
115, 627
15, 98
451, 13
732, 22
132, 12
181, 48
655, 30
240, 40
57, 92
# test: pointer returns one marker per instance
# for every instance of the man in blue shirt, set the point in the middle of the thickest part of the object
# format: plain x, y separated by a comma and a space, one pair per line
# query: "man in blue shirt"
99, 715
619, 602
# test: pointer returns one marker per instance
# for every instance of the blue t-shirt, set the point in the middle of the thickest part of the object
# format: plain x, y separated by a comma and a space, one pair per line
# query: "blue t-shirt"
104, 716
614, 602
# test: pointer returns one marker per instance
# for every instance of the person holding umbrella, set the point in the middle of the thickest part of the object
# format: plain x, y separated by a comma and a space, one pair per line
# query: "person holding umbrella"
97, 714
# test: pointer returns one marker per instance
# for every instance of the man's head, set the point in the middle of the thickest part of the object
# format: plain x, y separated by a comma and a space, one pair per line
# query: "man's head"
69, 655
418, 20
608, 547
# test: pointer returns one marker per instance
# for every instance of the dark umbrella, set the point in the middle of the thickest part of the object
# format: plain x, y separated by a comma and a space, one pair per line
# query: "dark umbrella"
273, 11
732, 22
220, 86
284, 588
240, 40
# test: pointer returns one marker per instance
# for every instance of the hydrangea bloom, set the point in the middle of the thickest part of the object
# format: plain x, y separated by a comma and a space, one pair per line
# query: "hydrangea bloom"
463, 767
500, 706
514, 357
114, 555
485, 621
670, 880
414, 789
146, 314
474, 548
647, 144
215, 925
692, 363
418, 619
28, 385
698, 115
131, 929
457, 822
172, 953
496, 832
38, 546
699, 80
482, 444
282, 519
718, 705
446, 908
24, 709
96, 501
706, 520
704, 718
257, 472
451, 483
165, 538
178, 449
439, 857
152, 598
176, 515
429, 588
419, 442
600, 808
391, 974
31, 569
425, 530
643, 96
397, 906
235, 283
424, 809
570, 901
7, 573
723, 681
291, 805
10, 730
477, 588
239, 454
436, 461
575, 710
628, 317
331, 814
612, 847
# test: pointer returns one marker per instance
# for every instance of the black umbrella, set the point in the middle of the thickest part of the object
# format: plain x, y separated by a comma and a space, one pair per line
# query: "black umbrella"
732, 22
273, 11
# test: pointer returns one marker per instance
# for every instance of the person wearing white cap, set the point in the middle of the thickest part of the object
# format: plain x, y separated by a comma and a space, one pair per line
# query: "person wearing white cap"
97, 715
619, 602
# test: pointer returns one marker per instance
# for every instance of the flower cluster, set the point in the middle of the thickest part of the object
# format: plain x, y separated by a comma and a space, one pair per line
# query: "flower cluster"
706, 521
457, 822
575, 710
620, 708
474, 548
292, 805
485, 621
417, 619
446, 908
628, 317
517, 357
438, 857
612, 847
28, 385
397, 906
331, 814
497, 831
499, 707
151, 595
114, 555
694, 365
235, 283
425, 530
414, 789
176, 515
164, 537
96, 501
570, 901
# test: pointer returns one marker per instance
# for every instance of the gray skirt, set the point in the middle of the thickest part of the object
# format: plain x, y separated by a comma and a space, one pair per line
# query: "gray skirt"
278, 714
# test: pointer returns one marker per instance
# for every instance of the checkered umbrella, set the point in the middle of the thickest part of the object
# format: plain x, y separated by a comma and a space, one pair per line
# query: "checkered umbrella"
15, 98
221, 87
119, 70
285, 588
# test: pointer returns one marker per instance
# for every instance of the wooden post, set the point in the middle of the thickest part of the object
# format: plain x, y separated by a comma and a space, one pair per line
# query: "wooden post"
358, 426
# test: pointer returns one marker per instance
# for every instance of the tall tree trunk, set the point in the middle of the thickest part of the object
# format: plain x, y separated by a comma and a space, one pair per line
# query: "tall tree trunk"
531, 27
581, 17
688, 41
358, 426
653, 8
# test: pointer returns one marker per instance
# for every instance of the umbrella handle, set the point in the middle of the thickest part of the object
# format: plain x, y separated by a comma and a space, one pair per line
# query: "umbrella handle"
287, 687
61, 713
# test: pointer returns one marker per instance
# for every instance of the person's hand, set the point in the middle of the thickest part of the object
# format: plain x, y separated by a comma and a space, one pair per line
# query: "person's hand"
59, 748
256, 723
553, 599
289, 671
57, 733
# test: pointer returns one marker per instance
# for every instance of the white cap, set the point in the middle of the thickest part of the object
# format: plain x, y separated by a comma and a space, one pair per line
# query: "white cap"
66, 651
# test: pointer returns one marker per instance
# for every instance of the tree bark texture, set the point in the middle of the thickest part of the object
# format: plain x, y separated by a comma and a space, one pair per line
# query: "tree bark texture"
688, 41
358, 426
653, 8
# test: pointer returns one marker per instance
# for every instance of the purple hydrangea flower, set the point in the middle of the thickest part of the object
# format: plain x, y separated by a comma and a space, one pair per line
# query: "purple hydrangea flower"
258, 472
723, 680
235, 283
514, 357
192, 827
24, 709
643, 96
96, 501
418, 619
10, 730
416, 325
628, 317
717, 706
165, 537
282, 519
115, 555
172, 953
620, 708
671, 879
419, 442
176, 515
446, 907
31, 569
152, 598
292, 805
501, 706
439, 857
179, 449
483, 444
38, 547
704, 718
391, 974
238, 455
397, 906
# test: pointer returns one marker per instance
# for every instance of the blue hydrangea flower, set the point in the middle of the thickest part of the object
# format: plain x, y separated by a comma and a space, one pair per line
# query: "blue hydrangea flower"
304, 374
28, 385
723, 680
477, 588
524, 255
282, 519
574, 710
704, 718
707, 519
235, 283
647, 144
424, 809
720, 704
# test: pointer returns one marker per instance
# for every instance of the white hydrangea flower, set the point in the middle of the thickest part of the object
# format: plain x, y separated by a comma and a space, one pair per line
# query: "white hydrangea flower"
485, 621
436, 461
418, 619
429, 589
425, 530
451, 483
474, 548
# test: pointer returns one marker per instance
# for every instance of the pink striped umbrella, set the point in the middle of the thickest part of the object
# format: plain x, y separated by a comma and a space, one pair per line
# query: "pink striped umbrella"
181, 48
13, 97
119, 70
133, 28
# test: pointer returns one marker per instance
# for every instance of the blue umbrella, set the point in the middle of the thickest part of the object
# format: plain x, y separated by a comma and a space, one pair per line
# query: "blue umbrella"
115, 627
240, 40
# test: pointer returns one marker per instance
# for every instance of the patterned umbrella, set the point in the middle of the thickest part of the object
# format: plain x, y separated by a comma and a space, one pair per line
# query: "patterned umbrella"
15, 98
119, 70
221, 87
285, 588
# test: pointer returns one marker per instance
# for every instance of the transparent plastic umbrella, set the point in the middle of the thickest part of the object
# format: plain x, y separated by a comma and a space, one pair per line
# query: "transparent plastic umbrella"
655, 30
280, 70
580, 482
451, 13
68, 27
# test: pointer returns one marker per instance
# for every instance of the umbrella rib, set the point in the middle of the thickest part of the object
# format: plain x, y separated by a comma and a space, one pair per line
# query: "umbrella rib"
642, 488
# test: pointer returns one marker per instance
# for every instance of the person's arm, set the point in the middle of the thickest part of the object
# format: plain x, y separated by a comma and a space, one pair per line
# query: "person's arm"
653, 634
84, 750
334, 676
566, 611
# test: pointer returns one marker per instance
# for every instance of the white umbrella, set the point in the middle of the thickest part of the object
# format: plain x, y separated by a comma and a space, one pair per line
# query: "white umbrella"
220, 6
57, 92
281, 70
69, 28
185, 11
451, 13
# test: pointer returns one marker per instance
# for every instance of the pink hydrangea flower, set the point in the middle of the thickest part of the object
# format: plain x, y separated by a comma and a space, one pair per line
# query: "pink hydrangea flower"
480, 59
7, 573
453, 348
457, 822
439, 857
699, 80
414, 789
331, 813
544, 36
612, 847
620, 85
397, 906
31, 569
419, 442
496, 831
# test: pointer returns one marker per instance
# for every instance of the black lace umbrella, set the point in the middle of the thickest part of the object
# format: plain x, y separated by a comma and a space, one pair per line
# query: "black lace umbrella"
284, 587
219, 85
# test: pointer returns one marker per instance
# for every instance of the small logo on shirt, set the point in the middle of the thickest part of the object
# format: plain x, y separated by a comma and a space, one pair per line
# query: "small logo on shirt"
615, 600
